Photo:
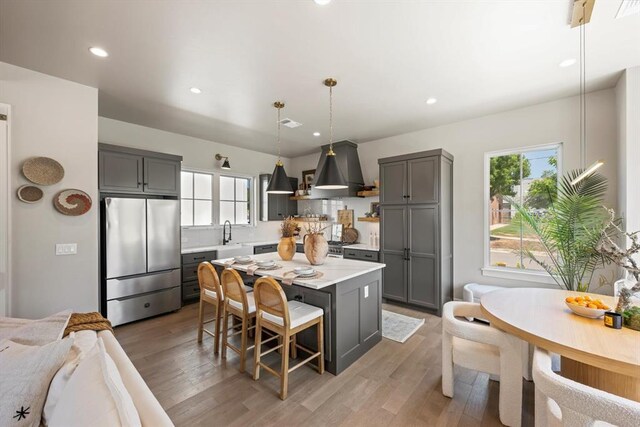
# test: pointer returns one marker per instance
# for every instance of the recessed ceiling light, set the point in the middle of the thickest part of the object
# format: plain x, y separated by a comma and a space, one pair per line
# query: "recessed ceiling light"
431, 101
195, 90
316, 134
322, 2
567, 62
98, 51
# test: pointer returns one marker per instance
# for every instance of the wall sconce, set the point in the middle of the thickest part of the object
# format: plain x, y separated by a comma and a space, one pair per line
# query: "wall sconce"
225, 164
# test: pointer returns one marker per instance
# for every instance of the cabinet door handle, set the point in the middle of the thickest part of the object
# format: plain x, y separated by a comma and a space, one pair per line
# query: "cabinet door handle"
298, 298
197, 258
147, 305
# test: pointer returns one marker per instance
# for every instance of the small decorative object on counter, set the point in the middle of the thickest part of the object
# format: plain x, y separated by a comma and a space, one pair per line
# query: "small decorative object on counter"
316, 247
613, 320
287, 244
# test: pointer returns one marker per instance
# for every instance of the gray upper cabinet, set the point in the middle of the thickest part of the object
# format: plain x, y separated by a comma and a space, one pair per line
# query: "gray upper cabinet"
276, 207
393, 182
416, 235
128, 170
119, 172
422, 180
161, 176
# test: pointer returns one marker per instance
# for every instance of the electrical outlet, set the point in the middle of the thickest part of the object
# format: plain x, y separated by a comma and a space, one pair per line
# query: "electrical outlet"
66, 248
366, 291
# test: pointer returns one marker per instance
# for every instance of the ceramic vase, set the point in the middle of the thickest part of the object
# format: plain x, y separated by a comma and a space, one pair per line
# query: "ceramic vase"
316, 248
287, 248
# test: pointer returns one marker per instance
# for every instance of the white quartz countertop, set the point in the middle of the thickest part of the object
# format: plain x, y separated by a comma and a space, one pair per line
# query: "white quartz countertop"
334, 270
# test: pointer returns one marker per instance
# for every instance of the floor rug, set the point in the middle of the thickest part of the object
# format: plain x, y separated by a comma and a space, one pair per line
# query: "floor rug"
398, 327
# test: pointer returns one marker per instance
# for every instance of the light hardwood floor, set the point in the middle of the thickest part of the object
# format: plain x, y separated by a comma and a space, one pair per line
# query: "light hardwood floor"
392, 385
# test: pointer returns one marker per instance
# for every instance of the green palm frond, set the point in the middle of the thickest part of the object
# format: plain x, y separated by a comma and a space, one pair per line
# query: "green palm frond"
570, 230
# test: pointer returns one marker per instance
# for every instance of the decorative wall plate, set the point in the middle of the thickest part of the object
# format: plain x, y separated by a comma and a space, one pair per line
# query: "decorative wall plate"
72, 202
30, 194
43, 170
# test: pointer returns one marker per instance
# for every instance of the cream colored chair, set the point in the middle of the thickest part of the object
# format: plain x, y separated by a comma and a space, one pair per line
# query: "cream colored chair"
285, 319
563, 402
240, 305
210, 293
482, 348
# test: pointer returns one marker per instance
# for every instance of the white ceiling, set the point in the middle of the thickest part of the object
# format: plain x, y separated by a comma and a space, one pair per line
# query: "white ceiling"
476, 57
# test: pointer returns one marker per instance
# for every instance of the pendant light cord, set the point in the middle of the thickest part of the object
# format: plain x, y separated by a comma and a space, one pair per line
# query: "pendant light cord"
278, 134
330, 119
583, 89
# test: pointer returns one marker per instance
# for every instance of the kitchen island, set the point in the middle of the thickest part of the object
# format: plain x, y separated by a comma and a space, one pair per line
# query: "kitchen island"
349, 292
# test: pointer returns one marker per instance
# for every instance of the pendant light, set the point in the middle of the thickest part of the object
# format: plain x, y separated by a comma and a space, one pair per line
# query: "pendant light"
586, 171
330, 177
279, 182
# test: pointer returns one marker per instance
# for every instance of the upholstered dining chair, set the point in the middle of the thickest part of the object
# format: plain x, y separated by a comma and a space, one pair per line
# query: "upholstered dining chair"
241, 305
482, 348
560, 401
210, 293
285, 319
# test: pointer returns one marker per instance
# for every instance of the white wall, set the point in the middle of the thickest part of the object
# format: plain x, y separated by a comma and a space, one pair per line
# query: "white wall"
628, 109
59, 119
556, 121
198, 154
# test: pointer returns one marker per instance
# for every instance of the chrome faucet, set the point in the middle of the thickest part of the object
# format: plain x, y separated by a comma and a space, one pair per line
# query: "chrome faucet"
224, 232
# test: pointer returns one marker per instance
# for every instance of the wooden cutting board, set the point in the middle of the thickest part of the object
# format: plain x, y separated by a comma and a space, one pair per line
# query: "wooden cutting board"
345, 217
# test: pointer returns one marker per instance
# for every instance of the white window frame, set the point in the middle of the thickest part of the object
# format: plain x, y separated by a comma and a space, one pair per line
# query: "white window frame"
507, 272
252, 198
215, 182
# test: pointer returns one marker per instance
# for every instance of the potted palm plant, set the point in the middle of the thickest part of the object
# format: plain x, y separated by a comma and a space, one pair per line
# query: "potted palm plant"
569, 230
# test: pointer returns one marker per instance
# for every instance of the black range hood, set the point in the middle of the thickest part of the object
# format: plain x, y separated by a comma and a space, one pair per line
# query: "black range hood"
349, 164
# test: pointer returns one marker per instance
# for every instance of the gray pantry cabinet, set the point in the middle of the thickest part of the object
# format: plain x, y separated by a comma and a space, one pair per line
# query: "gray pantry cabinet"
416, 234
132, 171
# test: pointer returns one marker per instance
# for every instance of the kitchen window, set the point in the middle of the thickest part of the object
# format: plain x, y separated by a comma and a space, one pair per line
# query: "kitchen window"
528, 177
196, 199
235, 200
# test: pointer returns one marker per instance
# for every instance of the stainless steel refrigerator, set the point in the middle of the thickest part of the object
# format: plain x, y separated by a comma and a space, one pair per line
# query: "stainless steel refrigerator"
141, 258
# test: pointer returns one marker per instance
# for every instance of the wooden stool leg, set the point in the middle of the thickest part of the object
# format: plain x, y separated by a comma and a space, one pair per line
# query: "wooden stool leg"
225, 332
200, 320
284, 369
257, 350
216, 345
294, 349
320, 338
243, 345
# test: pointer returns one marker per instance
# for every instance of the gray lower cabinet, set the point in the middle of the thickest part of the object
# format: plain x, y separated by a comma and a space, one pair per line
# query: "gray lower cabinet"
132, 171
265, 249
190, 285
276, 207
360, 254
416, 236
299, 248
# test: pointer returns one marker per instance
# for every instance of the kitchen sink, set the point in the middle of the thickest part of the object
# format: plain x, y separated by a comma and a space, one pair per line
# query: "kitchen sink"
234, 249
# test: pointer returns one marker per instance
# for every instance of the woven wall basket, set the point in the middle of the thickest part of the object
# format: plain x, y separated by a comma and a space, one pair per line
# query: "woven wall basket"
30, 194
72, 202
43, 170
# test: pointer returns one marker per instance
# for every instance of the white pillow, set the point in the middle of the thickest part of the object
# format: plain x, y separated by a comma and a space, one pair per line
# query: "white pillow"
25, 374
95, 395
83, 343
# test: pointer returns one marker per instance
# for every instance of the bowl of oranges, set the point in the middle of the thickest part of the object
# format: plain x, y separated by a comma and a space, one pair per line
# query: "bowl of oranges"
586, 306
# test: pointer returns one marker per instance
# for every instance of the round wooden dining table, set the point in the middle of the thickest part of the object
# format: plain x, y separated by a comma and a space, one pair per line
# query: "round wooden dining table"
591, 353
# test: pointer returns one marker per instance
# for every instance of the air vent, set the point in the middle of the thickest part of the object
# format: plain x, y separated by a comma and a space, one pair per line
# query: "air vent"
627, 8
290, 123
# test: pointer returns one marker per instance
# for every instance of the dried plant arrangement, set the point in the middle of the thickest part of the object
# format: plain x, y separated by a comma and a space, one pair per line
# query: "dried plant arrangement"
624, 258
314, 227
288, 227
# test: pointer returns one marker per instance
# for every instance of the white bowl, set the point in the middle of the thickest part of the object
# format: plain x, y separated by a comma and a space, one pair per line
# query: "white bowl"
266, 263
304, 271
592, 313
242, 259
